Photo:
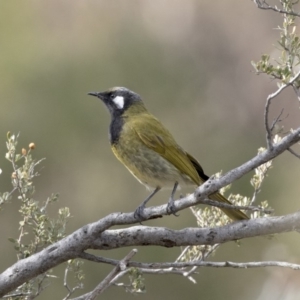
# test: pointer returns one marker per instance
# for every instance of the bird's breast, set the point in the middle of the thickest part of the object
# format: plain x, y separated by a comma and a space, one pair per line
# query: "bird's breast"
147, 166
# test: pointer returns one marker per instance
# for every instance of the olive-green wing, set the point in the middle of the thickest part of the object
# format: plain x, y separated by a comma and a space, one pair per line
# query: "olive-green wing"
156, 137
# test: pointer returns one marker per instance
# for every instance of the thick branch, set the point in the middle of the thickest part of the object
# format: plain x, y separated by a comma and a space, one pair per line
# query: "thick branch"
76, 243
165, 237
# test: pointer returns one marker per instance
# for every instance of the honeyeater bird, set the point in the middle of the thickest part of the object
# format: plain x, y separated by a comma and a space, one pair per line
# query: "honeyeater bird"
149, 151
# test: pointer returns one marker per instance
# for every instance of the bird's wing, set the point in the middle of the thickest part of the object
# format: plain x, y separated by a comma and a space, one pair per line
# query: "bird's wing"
198, 167
156, 137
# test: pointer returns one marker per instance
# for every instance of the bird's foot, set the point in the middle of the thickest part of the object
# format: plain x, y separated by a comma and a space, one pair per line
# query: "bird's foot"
171, 209
139, 213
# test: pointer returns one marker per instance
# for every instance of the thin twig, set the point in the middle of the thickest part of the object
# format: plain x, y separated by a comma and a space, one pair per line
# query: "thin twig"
255, 193
293, 152
276, 120
296, 90
199, 263
230, 264
170, 270
237, 207
108, 280
117, 277
70, 290
41, 287
16, 295
262, 4
12, 191
267, 108
204, 256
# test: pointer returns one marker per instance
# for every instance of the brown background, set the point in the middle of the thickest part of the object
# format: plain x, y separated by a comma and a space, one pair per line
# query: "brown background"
190, 61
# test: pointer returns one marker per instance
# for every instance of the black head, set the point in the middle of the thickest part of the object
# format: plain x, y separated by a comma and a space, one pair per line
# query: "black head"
118, 99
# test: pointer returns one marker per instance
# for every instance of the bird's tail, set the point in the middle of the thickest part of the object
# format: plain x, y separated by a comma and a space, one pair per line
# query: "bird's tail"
233, 214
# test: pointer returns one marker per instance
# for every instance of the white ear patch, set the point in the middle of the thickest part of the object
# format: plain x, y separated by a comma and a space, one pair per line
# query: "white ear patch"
119, 101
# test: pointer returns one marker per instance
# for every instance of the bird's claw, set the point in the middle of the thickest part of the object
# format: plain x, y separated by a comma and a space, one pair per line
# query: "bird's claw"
139, 213
171, 209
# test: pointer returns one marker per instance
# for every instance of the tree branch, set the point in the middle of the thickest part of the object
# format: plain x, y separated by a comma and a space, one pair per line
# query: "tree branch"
73, 245
262, 4
267, 108
96, 235
293, 152
238, 207
108, 280
165, 237
199, 263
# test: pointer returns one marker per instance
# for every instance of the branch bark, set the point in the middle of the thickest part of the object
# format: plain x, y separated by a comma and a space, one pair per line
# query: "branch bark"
165, 237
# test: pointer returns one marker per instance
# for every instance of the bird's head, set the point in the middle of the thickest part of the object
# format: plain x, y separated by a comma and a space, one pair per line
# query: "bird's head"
120, 99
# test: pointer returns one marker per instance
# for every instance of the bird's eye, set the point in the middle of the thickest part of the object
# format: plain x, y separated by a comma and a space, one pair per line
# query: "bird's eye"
112, 96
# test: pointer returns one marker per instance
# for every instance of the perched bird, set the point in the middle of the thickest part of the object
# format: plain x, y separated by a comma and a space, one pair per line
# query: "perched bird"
148, 150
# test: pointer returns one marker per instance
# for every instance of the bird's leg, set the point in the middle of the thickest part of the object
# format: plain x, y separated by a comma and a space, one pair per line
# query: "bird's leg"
171, 206
139, 212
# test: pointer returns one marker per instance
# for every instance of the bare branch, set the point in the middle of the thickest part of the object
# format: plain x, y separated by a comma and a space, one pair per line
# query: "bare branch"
109, 278
227, 264
267, 108
96, 235
262, 4
15, 295
199, 263
238, 207
202, 258
119, 275
276, 120
293, 152
120, 269
70, 290
297, 92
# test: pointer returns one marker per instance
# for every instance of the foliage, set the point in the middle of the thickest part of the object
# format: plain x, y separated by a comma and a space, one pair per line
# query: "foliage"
213, 217
283, 68
37, 229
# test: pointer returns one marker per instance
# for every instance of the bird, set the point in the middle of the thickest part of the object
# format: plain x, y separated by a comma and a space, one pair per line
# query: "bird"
149, 151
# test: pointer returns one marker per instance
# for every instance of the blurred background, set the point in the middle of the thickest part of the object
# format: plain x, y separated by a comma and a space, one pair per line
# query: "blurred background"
190, 61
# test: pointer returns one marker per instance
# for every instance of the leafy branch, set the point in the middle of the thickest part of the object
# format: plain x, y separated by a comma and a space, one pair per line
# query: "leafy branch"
37, 229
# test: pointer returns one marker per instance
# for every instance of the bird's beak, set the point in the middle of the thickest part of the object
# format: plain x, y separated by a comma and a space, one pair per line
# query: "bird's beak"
93, 94
101, 96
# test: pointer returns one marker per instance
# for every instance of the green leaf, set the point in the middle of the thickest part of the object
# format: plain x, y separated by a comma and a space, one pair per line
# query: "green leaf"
12, 240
